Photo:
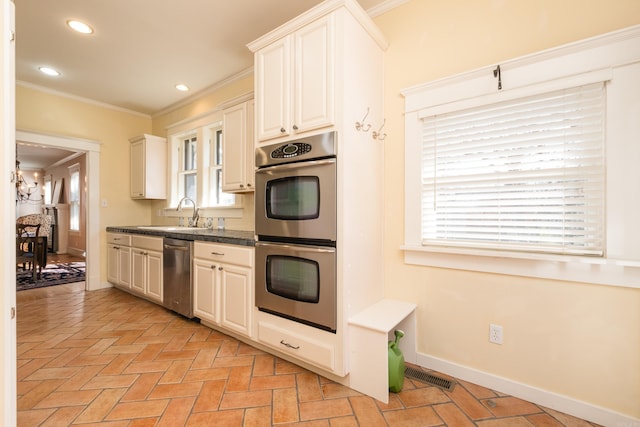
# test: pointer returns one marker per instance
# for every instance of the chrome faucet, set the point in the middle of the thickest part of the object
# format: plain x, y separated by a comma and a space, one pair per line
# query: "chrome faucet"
196, 214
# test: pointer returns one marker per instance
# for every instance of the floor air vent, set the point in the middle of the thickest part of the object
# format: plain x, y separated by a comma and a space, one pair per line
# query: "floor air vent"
422, 376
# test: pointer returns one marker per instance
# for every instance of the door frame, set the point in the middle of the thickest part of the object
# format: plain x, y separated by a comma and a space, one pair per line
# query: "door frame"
92, 232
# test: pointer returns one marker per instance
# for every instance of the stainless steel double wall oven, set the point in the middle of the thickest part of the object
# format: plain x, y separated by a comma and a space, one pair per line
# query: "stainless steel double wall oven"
296, 225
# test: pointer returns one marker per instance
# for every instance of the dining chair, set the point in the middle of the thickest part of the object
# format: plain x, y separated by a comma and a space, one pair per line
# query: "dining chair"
27, 247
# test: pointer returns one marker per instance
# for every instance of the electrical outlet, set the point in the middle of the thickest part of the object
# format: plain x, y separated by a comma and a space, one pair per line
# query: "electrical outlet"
495, 334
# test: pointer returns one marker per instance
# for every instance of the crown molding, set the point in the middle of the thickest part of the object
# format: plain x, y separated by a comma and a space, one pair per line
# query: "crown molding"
79, 99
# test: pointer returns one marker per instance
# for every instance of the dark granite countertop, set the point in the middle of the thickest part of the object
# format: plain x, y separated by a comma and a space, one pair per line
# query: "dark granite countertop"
234, 237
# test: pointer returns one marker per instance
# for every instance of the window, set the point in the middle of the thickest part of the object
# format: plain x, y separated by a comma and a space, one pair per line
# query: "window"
74, 198
521, 175
196, 163
217, 196
188, 173
47, 190
553, 196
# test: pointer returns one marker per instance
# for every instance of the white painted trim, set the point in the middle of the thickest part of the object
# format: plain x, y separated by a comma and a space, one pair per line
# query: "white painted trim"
317, 12
612, 57
214, 87
236, 100
602, 271
80, 99
385, 7
8, 352
538, 396
92, 151
184, 126
596, 53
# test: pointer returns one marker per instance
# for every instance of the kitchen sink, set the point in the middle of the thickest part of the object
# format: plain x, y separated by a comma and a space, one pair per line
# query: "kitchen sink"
169, 228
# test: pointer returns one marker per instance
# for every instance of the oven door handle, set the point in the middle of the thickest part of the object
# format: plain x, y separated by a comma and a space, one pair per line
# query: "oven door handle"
306, 248
297, 165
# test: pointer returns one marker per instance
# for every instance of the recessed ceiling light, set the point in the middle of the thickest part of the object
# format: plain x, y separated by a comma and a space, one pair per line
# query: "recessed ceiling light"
49, 71
80, 27
182, 87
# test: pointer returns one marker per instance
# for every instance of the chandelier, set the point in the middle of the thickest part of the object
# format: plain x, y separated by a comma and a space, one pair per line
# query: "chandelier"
24, 190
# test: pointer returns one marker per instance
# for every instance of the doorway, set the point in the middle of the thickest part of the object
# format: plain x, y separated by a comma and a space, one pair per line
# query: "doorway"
91, 149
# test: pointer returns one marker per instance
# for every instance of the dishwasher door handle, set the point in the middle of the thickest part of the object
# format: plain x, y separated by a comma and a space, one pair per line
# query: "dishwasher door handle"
177, 248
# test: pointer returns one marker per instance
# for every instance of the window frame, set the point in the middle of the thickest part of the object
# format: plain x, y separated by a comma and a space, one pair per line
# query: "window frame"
75, 203
482, 147
183, 172
203, 127
606, 58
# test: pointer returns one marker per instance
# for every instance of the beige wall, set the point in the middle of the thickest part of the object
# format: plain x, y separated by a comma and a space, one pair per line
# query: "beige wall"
577, 340
46, 113
202, 105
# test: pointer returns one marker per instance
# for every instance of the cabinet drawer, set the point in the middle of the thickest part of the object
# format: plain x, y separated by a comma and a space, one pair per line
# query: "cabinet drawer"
313, 351
230, 254
145, 242
119, 239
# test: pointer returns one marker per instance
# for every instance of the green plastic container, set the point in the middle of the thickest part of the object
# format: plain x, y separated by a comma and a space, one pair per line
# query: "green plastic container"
396, 364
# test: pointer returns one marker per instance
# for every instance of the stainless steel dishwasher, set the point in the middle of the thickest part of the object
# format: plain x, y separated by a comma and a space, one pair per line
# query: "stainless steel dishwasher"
177, 283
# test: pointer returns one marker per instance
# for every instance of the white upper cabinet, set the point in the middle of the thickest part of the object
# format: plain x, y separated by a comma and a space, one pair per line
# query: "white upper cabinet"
238, 148
295, 82
148, 167
324, 71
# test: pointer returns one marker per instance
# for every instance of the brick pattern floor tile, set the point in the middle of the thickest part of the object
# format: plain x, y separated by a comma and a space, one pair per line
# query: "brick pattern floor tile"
108, 358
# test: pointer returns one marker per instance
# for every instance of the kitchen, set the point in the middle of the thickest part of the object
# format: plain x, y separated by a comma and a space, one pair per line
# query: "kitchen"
443, 296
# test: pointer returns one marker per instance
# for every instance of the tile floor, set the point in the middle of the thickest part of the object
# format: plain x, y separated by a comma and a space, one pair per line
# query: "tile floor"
108, 358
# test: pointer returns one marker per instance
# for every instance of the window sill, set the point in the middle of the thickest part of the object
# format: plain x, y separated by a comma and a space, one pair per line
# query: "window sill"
602, 271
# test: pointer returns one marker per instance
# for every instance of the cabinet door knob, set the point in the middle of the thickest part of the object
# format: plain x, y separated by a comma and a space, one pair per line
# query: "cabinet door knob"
282, 130
248, 185
213, 267
241, 185
295, 127
220, 268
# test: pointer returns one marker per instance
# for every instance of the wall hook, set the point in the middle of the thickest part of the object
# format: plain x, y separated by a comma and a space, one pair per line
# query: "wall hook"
362, 126
379, 135
496, 73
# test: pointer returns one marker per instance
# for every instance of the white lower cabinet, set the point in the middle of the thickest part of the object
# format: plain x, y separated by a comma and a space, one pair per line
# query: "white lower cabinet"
312, 345
119, 260
146, 267
205, 297
223, 285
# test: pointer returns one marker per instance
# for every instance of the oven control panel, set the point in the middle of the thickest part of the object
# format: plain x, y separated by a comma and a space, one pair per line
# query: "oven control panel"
313, 147
293, 149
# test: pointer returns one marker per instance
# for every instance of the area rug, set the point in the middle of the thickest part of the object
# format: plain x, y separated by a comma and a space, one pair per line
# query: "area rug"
52, 274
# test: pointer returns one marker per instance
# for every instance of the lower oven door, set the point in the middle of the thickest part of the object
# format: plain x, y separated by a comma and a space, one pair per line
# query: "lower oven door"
297, 282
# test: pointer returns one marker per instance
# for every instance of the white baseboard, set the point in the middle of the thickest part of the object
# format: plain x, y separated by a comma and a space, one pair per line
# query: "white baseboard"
558, 402
102, 285
76, 252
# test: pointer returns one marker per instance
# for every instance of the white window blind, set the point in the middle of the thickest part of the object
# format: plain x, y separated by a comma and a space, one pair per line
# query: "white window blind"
520, 175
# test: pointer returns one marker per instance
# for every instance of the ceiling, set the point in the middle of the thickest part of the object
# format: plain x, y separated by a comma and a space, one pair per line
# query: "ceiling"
141, 49
37, 157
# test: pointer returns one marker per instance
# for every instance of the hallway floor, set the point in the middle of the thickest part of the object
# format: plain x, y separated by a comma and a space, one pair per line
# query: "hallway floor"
108, 358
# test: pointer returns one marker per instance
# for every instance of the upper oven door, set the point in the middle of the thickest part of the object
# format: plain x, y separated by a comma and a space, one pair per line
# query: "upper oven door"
297, 200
